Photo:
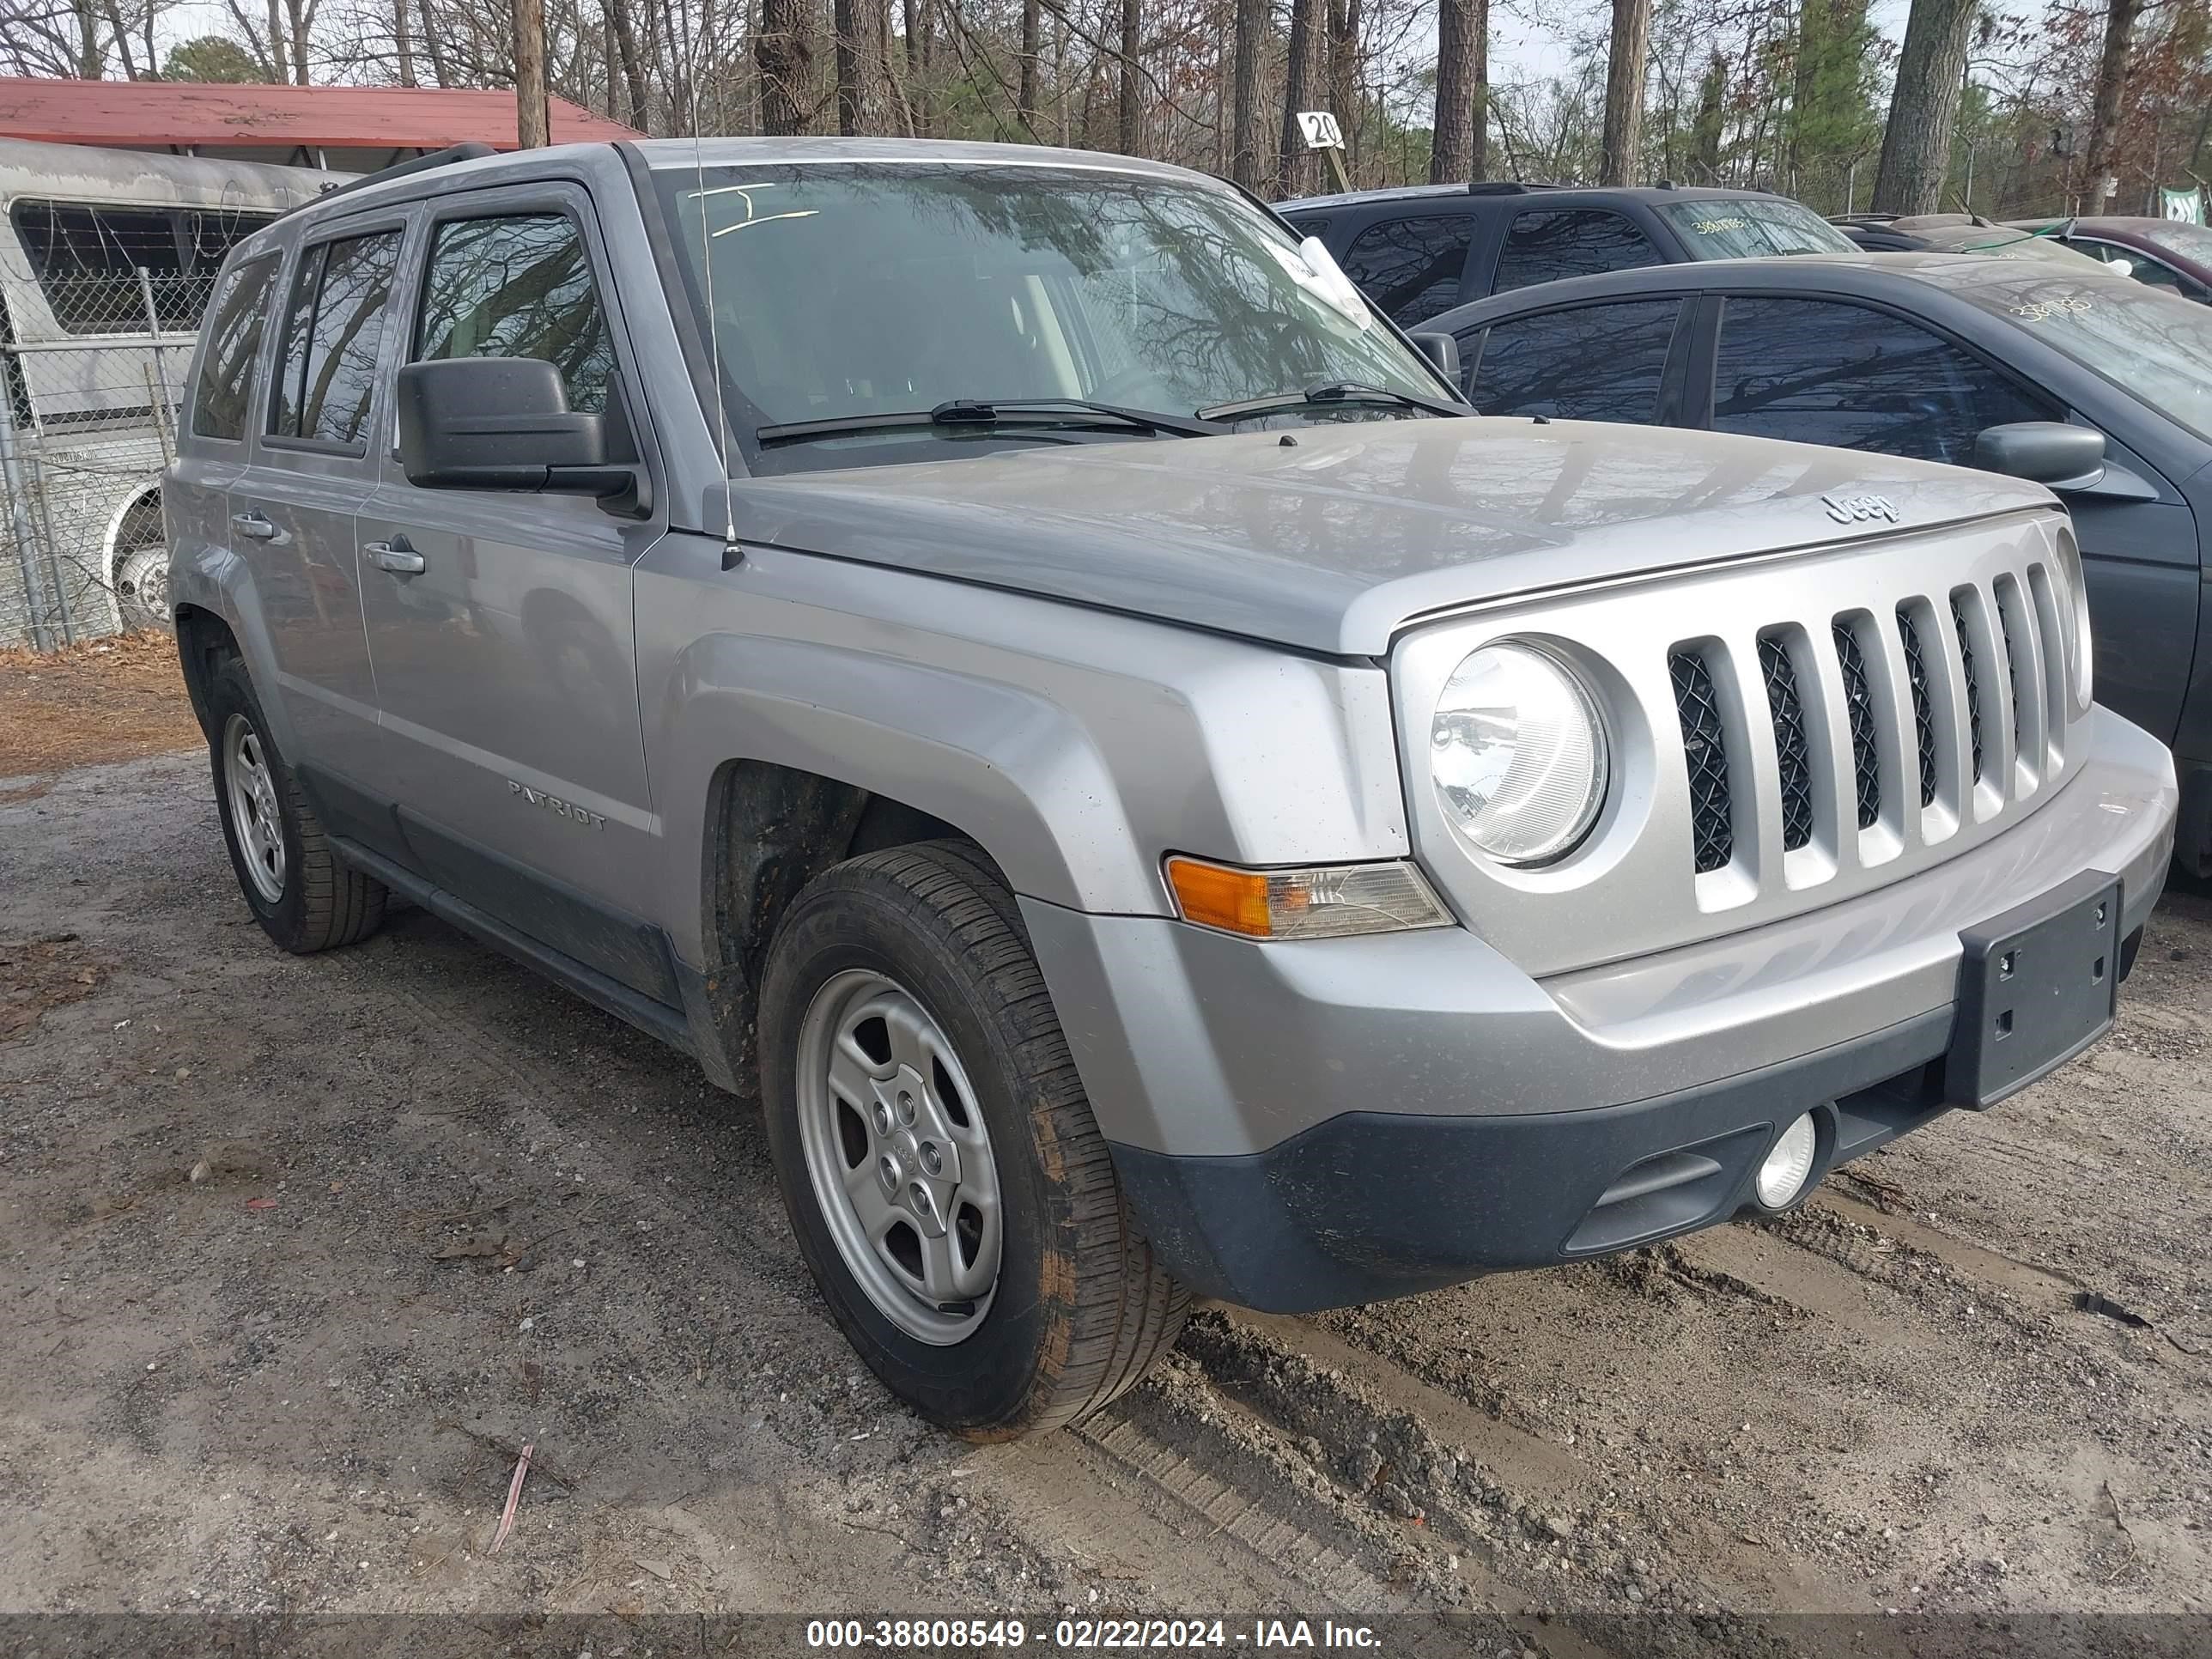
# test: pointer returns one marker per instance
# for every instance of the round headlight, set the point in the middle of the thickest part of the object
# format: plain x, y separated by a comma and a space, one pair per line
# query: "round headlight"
1517, 753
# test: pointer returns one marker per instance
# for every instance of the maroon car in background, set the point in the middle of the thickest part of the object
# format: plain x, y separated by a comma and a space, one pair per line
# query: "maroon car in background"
2163, 253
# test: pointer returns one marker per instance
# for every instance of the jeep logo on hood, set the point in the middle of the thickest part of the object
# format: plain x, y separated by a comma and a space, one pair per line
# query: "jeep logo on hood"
1858, 509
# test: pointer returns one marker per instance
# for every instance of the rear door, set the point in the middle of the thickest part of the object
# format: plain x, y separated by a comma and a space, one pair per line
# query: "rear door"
500, 624
308, 469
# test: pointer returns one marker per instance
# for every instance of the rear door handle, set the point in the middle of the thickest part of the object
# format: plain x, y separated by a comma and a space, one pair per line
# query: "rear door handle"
252, 524
394, 555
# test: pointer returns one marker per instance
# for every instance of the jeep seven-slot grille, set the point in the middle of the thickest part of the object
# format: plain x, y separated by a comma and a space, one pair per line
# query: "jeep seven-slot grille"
1858, 703
1733, 704
1924, 710
1704, 747
1973, 680
1789, 749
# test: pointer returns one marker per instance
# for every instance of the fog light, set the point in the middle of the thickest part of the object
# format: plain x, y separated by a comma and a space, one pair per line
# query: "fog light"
1782, 1177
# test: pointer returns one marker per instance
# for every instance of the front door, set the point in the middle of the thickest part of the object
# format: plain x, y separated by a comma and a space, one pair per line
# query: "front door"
291, 509
499, 624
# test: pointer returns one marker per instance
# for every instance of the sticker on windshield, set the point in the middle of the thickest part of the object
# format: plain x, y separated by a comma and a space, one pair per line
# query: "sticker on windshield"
2042, 311
1714, 227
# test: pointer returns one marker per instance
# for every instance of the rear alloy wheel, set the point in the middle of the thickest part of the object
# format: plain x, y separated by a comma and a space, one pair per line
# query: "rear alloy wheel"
302, 894
942, 1172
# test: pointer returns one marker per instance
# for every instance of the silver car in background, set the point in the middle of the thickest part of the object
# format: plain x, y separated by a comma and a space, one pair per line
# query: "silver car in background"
1002, 654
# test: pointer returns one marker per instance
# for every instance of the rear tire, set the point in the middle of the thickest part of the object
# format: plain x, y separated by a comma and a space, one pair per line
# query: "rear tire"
303, 895
979, 1086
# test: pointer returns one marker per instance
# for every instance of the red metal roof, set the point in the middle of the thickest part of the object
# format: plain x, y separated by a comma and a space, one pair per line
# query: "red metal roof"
124, 113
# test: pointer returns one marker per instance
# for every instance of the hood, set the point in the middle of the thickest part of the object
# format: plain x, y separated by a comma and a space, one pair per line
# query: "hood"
1336, 543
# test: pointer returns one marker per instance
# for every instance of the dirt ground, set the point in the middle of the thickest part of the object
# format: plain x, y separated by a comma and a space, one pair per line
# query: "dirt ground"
103, 700
442, 1209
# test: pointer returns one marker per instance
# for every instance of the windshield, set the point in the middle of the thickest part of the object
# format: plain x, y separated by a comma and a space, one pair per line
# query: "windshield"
2178, 236
2153, 344
853, 289
1751, 227
2012, 244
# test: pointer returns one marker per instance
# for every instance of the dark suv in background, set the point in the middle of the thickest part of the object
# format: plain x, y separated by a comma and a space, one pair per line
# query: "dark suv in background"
1421, 250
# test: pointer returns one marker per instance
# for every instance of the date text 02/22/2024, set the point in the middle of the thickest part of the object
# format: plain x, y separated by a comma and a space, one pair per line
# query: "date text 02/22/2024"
1077, 1635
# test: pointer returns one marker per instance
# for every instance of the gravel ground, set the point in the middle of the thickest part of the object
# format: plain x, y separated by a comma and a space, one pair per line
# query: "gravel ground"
443, 1209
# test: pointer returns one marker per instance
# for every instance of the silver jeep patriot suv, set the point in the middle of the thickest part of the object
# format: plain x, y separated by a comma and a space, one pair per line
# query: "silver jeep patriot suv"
1001, 653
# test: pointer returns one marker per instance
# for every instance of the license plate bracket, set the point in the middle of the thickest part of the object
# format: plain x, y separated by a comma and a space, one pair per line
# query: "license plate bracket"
2037, 986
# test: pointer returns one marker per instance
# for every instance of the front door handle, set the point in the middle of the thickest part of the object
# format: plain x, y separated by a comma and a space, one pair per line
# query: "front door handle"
254, 526
394, 555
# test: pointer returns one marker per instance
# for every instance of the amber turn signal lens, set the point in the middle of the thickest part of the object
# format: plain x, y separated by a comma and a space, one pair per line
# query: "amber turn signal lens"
1329, 902
1235, 901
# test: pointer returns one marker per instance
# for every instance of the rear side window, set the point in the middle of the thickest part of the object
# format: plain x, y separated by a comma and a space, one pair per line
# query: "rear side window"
1591, 364
332, 330
1823, 372
1546, 244
233, 345
517, 287
1410, 267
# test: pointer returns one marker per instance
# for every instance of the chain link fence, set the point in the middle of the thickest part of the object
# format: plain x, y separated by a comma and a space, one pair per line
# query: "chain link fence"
94, 367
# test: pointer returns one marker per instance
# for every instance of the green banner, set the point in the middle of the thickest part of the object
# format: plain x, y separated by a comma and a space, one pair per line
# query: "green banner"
2186, 205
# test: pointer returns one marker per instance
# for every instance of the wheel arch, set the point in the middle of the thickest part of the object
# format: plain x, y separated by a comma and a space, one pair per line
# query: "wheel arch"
203, 640
771, 829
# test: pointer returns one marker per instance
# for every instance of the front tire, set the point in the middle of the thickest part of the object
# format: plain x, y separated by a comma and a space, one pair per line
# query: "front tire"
939, 1158
302, 894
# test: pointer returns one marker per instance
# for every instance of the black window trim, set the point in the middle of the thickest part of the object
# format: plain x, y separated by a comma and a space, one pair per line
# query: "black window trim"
258, 378
1698, 391
400, 218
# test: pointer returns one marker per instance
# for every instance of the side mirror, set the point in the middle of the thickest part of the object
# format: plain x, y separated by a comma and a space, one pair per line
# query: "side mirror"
2043, 451
501, 424
1443, 352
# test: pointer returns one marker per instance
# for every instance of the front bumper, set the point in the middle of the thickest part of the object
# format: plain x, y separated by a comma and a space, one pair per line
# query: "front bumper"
1306, 1125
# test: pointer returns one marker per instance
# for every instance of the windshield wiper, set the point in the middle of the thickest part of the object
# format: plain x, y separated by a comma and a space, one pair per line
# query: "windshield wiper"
1327, 394
957, 412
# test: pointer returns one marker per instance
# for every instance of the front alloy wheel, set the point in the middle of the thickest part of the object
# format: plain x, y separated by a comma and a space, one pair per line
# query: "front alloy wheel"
899, 1157
944, 1173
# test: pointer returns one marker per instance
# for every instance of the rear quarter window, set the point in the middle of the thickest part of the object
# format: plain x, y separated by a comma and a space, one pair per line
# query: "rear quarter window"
1412, 267
236, 322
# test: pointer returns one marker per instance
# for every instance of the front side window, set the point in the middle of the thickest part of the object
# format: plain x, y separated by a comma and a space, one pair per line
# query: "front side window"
1546, 244
238, 318
846, 290
1410, 267
1751, 227
1590, 364
332, 331
1822, 372
517, 287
